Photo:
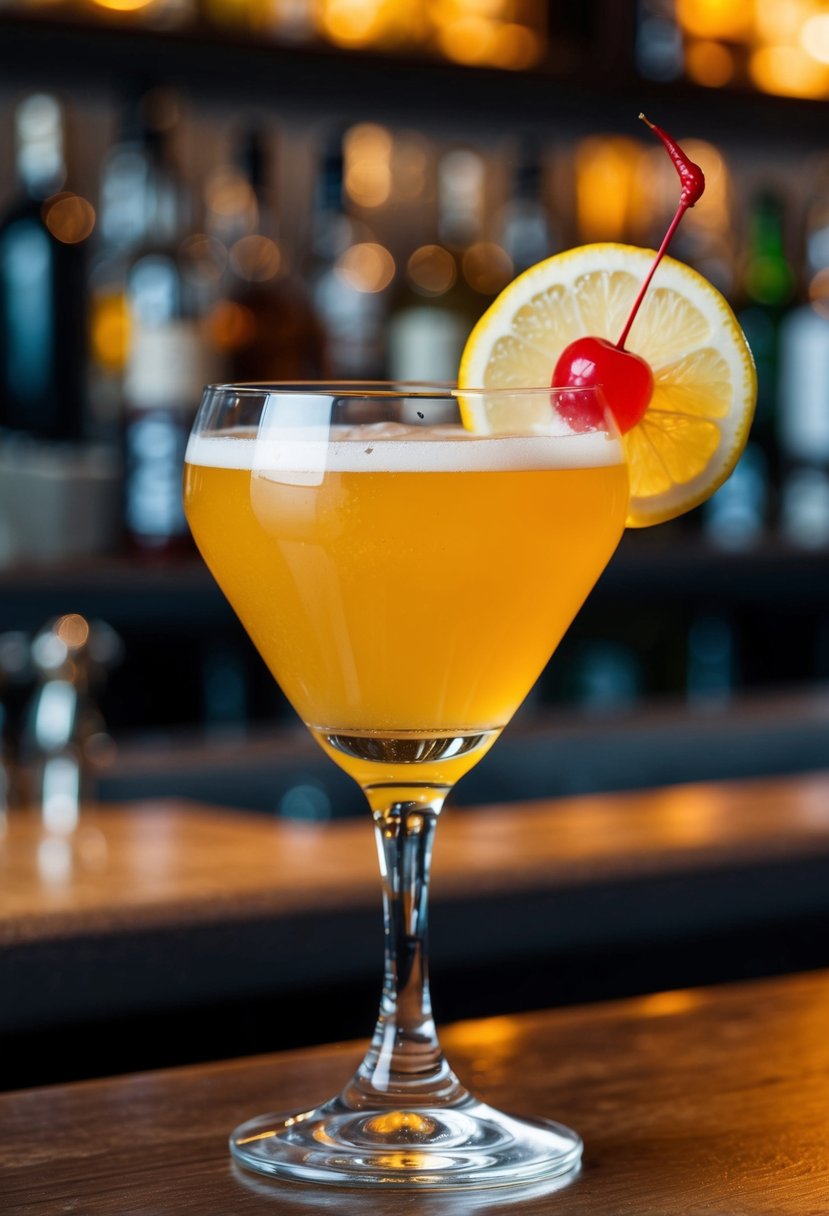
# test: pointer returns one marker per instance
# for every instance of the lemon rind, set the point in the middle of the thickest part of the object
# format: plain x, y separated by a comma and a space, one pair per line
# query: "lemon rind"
734, 426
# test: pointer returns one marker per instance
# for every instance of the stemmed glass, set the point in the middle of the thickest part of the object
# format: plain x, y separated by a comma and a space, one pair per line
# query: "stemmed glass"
406, 579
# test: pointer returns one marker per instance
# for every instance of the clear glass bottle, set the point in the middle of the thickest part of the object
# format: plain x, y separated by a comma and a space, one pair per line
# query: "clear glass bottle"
349, 272
168, 363
448, 284
139, 206
803, 387
746, 506
528, 231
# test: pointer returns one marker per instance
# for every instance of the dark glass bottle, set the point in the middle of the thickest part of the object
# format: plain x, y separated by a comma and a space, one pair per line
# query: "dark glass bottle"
528, 232
768, 283
349, 273
265, 324
42, 284
747, 505
803, 385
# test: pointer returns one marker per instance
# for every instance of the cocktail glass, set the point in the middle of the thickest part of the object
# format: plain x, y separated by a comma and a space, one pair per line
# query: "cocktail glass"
406, 579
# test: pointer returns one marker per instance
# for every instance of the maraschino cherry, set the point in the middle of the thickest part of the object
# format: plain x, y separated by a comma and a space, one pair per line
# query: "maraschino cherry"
625, 377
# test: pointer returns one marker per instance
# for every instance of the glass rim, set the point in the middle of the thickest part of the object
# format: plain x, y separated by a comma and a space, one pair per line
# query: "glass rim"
390, 389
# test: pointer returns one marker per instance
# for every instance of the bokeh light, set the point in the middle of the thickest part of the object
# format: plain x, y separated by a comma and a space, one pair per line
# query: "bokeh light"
368, 152
69, 217
366, 266
431, 270
607, 172
709, 63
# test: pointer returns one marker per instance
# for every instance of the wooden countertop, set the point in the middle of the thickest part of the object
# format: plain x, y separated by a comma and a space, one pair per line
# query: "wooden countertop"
157, 910
147, 864
689, 1102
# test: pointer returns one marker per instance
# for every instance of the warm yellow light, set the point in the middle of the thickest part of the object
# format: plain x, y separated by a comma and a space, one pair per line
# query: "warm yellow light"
69, 218
368, 151
606, 177
408, 1161
255, 258
395, 1121
449, 10
368, 183
230, 195
73, 630
496, 1035
493, 32
110, 331
709, 63
789, 72
729, 19
779, 22
349, 22
123, 6
410, 158
486, 267
367, 266
431, 269
516, 47
814, 37
231, 326
357, 23
468, 39
668, 1004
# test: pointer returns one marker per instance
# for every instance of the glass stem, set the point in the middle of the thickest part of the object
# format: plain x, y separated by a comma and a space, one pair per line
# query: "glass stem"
404, 1064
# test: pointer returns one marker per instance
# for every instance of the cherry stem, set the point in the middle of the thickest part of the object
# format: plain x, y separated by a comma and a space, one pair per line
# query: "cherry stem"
690, 175
666, 240
693, 184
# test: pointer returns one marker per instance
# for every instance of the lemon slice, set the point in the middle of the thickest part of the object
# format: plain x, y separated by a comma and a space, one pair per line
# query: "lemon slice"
705, 385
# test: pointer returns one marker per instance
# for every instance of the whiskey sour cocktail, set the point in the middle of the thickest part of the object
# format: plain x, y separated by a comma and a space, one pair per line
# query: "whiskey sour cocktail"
406, 559
406, 584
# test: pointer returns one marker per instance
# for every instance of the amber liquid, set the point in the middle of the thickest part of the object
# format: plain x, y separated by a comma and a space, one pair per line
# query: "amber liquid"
407, 614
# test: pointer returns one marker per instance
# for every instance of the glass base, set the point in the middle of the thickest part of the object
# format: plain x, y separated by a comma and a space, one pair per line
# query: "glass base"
464, 1145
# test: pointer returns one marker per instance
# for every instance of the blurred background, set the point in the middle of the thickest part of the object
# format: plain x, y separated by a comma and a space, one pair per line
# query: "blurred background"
193, 190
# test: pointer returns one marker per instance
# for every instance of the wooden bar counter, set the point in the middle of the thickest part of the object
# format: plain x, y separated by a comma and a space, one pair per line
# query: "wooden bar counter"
714, 1101
162, 911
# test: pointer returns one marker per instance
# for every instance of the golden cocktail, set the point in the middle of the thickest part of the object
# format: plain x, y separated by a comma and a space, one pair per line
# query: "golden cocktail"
418, 588
406, 581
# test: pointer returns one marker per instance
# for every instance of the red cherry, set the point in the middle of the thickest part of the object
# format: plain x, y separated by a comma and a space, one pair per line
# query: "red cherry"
626, 379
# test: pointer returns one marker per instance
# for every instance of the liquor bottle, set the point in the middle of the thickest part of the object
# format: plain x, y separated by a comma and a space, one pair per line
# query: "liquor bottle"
658, 41
528, 234
139, 203
168, 363
768, 283
447, 285
740, 512
349, 273
803, 419
264, 324
42, 284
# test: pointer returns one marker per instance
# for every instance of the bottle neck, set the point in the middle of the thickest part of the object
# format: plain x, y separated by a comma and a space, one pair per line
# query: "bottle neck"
768, 278
460, 200
41, 168
333, 229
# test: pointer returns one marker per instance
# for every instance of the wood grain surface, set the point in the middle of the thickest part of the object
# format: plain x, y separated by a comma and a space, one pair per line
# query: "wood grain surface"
707, 1102
154, 863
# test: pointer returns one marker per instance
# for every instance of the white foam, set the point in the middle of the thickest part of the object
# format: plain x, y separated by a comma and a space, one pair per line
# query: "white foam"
391, 448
